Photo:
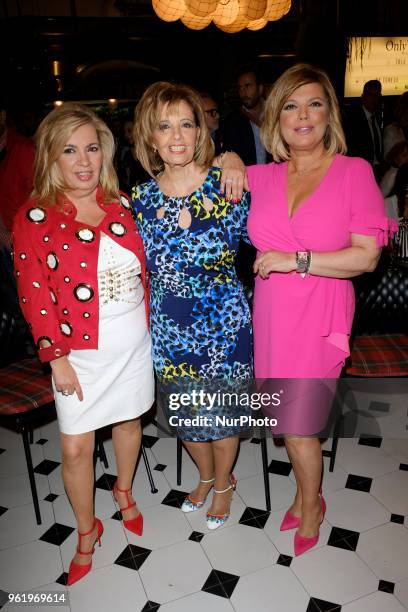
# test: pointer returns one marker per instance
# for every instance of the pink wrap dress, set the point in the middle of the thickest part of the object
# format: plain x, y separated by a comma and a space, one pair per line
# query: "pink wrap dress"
302, 324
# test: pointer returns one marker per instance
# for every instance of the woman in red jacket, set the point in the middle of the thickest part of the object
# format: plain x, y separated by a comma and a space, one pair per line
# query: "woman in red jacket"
81, 278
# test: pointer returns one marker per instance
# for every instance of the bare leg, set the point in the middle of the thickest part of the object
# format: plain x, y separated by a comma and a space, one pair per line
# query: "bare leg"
296, 507
78, 477
225, 452
126, 438
202, 454
306, 457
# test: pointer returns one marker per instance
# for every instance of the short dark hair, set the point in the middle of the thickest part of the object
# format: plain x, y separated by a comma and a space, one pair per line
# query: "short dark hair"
372, 83
252, 68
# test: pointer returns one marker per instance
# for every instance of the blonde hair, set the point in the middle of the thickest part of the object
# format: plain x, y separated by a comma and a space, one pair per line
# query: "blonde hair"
147, 115
51, 137
282, 89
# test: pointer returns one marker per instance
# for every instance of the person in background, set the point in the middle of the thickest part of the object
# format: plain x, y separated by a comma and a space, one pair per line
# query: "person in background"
200, 319
317, 219
81, 277
363, 127
242, 126
397, 156
398, 130
212, 119
129, 169
17, 154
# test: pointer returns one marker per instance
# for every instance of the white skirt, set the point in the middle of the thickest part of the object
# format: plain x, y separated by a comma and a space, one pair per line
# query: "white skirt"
117, 378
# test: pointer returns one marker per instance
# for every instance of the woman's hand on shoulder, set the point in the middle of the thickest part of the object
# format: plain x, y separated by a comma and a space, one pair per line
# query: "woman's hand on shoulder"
274, 261
65, 377
233, 177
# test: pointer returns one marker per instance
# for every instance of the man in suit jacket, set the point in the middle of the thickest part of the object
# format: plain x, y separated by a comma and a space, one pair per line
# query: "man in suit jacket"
212, 119
362, 127
241, 130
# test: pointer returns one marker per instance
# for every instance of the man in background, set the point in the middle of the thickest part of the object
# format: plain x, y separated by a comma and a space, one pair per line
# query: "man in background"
212, 119
242, 126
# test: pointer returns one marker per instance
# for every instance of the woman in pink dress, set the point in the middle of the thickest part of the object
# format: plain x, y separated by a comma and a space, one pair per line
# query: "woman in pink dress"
317, 219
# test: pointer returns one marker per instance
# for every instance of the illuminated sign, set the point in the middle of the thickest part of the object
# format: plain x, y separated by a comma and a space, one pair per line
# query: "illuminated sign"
382, 58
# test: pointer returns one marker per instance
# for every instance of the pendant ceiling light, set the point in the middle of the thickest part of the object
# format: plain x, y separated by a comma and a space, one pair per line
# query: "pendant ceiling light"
228, 15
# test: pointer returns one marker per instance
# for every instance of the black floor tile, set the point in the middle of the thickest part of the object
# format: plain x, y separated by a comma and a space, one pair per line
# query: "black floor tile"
51, 497
255, 440
343, 538
370, 441
150, 606
253, 517
46, 467
62, 579
220, 583
196, 536
117, 516
375, 406
174, 498
57, 534
387, 587
160, 467
133, 556
397, 518
283, 468
149, 441
359, 483
41, 441
106, 482
284, 560
404, 466
3, 510
320, 605
3, 598
2, 450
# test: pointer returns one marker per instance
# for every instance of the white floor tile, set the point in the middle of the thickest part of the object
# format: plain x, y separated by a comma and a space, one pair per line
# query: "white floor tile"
365, 460
106, 589
401, 592
355, 510
19, 525
165, 451
189, 474
142, 492
162, 526
398, 448
239, 549
376, 602
252, 491
16, 491
385, 550
272, 588
173, 572
198, 602
249, 460
334, 574
392, 491
29, 566
13, 461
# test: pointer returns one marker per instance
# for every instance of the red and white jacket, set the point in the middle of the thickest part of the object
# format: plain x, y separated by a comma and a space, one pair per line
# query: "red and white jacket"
55, 262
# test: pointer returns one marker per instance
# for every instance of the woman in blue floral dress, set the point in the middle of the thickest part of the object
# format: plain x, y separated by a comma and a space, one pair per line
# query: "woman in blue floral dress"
200, 319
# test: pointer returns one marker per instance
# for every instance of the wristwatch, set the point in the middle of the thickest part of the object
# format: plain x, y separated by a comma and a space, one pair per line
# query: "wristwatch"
303, 260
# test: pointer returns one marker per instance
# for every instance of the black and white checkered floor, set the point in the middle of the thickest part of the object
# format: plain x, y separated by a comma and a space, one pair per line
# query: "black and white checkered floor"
359, 565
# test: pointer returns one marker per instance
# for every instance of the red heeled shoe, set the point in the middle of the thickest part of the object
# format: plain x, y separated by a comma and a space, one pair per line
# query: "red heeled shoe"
134, 525
302, 544
77, 571
290, 521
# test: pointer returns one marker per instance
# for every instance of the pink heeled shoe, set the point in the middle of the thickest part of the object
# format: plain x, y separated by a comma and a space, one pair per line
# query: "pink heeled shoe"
302, 544
290, 521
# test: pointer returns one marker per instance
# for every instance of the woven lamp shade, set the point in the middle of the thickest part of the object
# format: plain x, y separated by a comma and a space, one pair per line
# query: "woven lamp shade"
257, 24
227, 12
169, 10
277, 9
201, 8
194, 22
236, 26
255, 9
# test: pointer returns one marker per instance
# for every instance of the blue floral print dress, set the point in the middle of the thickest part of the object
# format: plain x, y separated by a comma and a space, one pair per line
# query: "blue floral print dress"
200, 319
